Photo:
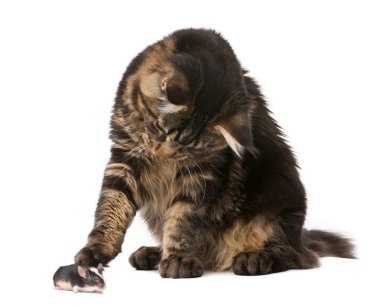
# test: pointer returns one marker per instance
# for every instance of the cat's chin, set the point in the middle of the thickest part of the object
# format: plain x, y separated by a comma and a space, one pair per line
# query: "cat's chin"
174, 159
181, 158
169, 155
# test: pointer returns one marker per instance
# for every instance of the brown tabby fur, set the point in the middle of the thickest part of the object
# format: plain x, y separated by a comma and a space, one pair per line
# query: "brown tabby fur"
198, 154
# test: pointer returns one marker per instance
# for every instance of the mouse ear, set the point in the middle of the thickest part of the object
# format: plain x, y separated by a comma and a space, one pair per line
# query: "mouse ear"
83, 271
100, 268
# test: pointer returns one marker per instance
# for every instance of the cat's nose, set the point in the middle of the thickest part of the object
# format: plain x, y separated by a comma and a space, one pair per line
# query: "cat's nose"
161, 137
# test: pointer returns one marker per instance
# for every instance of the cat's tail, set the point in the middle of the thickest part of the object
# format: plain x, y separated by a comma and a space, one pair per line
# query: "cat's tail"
328, 244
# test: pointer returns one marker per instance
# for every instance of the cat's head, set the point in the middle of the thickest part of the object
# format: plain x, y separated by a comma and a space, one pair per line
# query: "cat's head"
190, 91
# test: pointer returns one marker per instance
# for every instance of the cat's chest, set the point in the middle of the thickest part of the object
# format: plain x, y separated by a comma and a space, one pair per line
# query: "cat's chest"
158, 188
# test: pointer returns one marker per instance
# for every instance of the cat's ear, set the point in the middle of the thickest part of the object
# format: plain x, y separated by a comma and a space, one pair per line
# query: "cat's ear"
177, 95
100, 268
236, 130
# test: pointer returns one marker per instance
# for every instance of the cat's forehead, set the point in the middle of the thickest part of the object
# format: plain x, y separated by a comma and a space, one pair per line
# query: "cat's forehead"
188, 70
199, 107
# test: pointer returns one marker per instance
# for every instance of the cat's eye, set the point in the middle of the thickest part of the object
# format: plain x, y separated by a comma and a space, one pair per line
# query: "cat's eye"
158, 126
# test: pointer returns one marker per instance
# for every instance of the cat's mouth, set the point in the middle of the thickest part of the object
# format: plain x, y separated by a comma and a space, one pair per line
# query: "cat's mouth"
166, 153
180, 157
163, 151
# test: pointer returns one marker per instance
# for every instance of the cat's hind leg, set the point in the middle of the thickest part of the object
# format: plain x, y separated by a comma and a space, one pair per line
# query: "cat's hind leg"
281, 249
273, 259
262, 246
146, 258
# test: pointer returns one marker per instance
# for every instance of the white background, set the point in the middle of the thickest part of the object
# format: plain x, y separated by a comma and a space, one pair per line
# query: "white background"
60, 64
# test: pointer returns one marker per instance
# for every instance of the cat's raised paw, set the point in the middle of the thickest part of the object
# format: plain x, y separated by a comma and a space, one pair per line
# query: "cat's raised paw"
252, 263
145, 258
93, 256
180, 267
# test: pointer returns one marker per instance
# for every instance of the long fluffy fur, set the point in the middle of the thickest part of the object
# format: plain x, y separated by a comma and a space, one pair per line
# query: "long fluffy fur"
230, 200
328, 243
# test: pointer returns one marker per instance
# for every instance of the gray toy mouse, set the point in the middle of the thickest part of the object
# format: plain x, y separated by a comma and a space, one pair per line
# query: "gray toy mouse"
79, 278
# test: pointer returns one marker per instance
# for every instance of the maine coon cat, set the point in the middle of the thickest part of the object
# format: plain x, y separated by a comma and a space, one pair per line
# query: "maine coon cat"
197, 153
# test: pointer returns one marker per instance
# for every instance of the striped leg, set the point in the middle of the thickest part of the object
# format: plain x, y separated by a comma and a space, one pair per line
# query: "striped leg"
114, 214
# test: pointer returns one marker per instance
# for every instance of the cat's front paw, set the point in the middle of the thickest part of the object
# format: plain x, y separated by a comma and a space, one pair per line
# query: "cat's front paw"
180, 267
93, 256
87, 257
252, 263
145, 258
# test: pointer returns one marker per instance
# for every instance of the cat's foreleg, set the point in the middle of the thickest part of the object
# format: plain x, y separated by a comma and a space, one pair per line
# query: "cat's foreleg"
181, 242
146, 258
115, 212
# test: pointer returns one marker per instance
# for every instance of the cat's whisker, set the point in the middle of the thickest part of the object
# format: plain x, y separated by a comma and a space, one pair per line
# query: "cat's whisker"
135, 148
217, 170
188, 170
180, 171
134, 152
204, 181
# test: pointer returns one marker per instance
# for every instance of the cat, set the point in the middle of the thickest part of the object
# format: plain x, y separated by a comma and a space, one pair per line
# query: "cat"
198, 154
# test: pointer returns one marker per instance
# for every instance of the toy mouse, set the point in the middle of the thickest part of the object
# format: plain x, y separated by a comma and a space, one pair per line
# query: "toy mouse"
79, 278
